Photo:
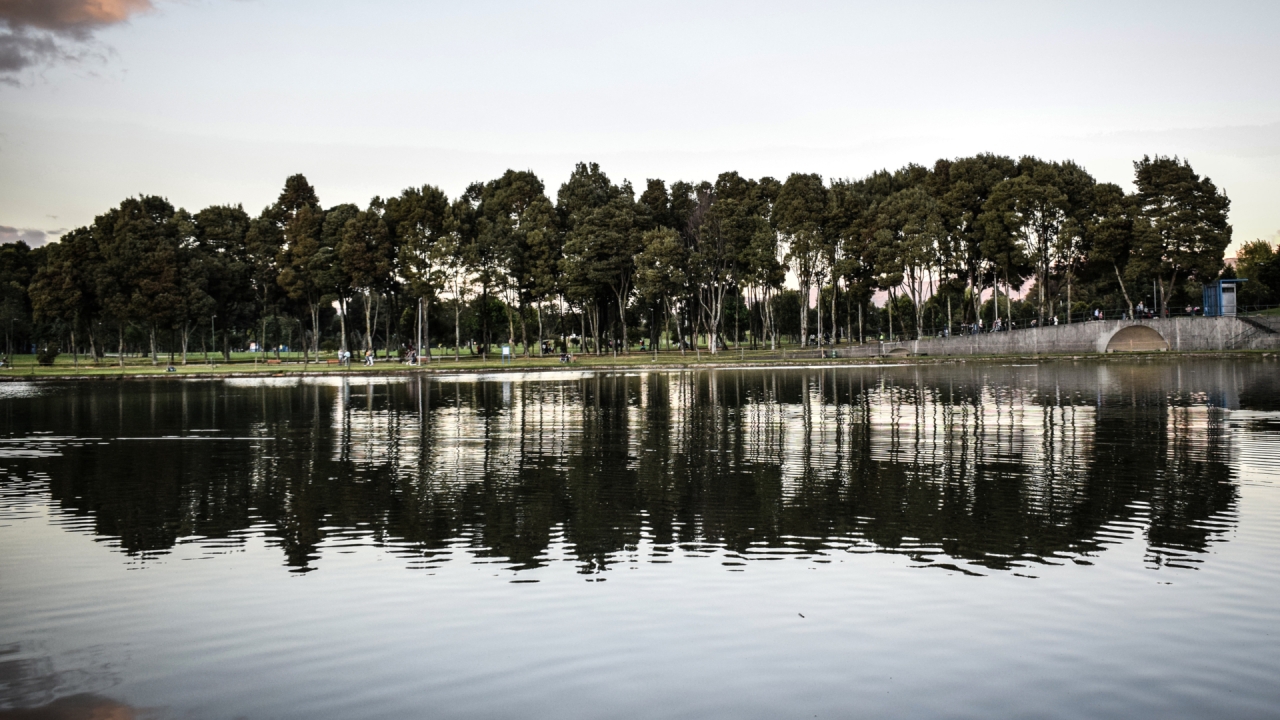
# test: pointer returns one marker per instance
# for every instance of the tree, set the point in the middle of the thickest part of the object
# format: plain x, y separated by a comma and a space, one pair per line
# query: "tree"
269, 238
516, 244
221, 232
61, 290
762, 270
421, 220
602, 237
303, 260
1182, 227
798, 216
1258, 262
195, 270
1031, 208
967, 184
909, 238
1110, 233
367, 254
661, 267
334, 277
137, 280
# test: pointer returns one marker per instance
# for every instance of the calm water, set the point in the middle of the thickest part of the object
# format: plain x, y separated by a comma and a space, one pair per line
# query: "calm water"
1063, 540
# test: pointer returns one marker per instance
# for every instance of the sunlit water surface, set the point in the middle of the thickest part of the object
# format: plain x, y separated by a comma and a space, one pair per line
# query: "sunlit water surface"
1062, 540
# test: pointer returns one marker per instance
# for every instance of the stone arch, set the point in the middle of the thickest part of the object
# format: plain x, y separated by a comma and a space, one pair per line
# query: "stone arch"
1136, 338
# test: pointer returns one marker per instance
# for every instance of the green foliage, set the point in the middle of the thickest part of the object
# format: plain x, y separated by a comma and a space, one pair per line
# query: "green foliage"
47, 355
709, 258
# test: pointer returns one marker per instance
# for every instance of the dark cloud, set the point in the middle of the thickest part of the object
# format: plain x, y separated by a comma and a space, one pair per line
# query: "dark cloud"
36, 33
30, 236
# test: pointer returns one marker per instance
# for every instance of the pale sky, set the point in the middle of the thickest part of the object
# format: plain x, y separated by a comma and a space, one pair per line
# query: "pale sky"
217, 101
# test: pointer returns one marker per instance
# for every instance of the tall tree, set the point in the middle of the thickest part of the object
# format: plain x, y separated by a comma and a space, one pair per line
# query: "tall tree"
334, 276
1110, 231
62, 289
302, 260
968, 183
909, 237
420, 218
514, 236
367, 255
662, 269
603, 233
221, 232
798, 216
1033, 209
1182, 228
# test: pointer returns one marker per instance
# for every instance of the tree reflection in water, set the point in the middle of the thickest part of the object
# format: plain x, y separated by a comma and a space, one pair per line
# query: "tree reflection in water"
972, 466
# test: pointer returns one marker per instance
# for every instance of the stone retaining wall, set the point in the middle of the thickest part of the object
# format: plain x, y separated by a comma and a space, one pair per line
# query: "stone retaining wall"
1178, 333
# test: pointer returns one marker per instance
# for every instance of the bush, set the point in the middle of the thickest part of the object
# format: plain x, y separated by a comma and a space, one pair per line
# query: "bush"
329, 345
46, 356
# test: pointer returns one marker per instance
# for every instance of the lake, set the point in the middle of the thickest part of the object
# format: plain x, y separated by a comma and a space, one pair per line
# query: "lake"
1067, 539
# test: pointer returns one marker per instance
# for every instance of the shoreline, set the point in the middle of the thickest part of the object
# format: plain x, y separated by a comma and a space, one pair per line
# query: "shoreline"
633, 364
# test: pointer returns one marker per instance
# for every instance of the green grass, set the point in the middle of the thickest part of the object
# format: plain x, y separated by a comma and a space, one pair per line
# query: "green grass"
65, 365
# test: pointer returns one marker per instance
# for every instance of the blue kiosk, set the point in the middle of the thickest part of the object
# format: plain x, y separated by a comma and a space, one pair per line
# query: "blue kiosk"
1220, 298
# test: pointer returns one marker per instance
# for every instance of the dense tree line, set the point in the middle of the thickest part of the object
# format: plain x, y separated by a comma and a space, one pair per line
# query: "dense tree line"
604, 267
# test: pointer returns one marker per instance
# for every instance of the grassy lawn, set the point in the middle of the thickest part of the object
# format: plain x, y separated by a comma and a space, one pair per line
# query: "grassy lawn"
65, 365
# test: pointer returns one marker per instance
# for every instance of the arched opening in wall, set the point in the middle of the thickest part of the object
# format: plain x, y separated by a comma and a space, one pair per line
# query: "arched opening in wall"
1136, 338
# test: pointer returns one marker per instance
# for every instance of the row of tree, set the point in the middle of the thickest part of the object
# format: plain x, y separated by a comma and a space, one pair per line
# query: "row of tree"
682, 261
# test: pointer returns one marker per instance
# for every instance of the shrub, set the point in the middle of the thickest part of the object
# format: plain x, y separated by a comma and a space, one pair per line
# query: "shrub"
46, 356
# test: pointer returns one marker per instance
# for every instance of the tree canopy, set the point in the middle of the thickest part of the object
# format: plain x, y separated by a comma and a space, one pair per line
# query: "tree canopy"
698, 264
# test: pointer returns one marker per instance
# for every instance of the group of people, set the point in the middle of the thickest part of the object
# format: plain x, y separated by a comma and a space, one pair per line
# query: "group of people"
344, 358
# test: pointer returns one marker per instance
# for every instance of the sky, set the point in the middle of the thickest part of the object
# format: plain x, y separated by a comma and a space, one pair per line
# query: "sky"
218, 101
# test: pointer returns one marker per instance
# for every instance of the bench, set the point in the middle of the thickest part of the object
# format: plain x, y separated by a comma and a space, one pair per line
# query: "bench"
332, 361
274, 362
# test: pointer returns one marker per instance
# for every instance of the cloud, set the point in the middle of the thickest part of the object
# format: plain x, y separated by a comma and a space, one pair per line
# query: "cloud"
38, 33
30, 236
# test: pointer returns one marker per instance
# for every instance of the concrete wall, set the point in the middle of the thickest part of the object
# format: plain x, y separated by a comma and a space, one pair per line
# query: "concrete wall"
1181, 333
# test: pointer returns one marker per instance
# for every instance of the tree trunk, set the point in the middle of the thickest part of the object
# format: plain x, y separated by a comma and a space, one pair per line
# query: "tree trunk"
595, 327
890, 306
315, 330
155, 359
1069, 304
1123, 291
120, 355
1008, 302
511, 329
524, 330
818, 335
835, 285
804, 312
368, 321
995, 301
342, 323
773, 326
537, 308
